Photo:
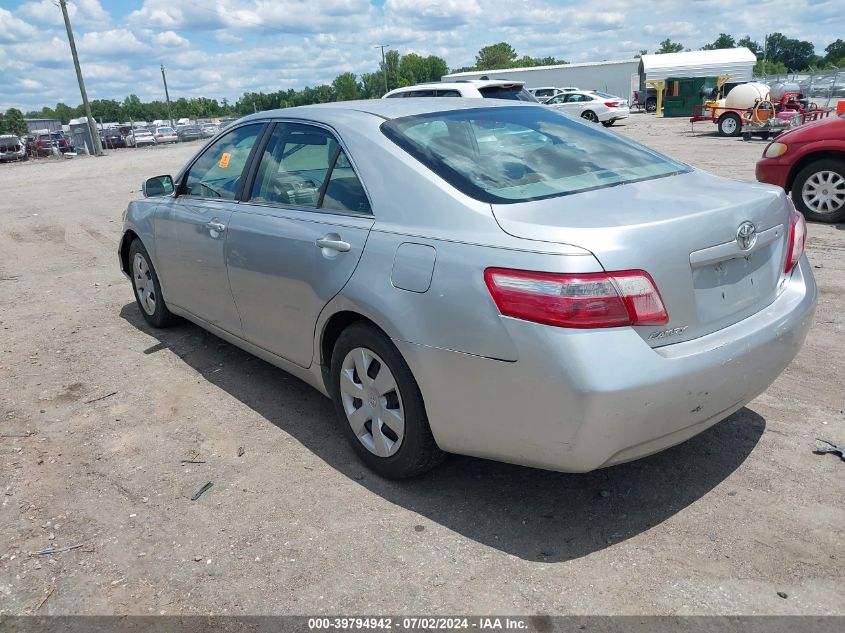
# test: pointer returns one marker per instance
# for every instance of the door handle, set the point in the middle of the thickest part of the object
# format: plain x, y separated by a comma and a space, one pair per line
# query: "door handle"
214, 225
334, 244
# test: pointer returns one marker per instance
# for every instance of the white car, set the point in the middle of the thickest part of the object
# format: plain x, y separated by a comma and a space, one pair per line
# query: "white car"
473, 89
591, 106
547, 92
166, 135
139, 137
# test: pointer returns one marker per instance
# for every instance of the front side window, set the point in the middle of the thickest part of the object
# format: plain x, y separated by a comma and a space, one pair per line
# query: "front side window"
515, 154
218, 171
304, 166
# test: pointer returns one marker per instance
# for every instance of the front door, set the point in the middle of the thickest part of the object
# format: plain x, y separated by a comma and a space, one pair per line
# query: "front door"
296, 239
191, 230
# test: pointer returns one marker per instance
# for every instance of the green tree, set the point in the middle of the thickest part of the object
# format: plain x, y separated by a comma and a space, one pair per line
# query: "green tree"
835, 52
723, 41
750, 44
346, 87
105, 110
372, 85
548, 61
391, 68
796, 55
64, 113
501, 55
13, 123
769, 67
668, 46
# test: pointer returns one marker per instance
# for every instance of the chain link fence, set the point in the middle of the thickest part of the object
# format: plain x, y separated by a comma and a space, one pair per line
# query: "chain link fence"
824, 88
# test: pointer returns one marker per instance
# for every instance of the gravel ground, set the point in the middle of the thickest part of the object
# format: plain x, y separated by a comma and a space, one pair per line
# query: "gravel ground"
296, 525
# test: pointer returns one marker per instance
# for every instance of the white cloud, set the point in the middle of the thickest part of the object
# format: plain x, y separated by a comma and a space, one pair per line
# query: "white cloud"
170, 39
13, 29
81, 13
112, 43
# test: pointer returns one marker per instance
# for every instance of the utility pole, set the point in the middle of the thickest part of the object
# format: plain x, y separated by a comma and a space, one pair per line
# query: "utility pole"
166, 96
92, 127
383, 64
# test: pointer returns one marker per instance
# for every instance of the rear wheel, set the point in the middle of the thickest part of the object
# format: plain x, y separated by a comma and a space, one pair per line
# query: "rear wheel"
608, 123
729, 124
819, 190
379, 405
651, 104
147, 288
591, 116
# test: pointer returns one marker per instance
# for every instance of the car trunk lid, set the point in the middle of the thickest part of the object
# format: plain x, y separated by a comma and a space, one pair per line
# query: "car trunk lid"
682, 230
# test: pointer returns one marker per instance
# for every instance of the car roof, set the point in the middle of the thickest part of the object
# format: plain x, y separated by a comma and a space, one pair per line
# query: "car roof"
386, 108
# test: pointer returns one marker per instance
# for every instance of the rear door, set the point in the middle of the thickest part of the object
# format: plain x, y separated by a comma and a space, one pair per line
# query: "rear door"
191, 229
296, 238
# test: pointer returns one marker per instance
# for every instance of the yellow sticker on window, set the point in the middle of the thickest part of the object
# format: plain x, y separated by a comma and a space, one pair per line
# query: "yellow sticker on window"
224, 160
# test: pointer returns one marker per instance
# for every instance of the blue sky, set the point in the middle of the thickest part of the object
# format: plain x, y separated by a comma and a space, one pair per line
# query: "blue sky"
221, 48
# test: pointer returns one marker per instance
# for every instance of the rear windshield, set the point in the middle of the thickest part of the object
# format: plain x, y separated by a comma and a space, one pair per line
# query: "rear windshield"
515, 93
515, 154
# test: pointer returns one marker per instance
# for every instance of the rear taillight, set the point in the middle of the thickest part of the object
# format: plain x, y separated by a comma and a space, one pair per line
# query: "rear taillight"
795, 243
590, 300
611, 104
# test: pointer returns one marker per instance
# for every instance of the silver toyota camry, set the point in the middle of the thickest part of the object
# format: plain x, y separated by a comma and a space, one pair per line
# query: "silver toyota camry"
495, 279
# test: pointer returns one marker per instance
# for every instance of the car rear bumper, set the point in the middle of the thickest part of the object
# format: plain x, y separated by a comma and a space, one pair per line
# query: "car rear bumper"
577, 400
772, 171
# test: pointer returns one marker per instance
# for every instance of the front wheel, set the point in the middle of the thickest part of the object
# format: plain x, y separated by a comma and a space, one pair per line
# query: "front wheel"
147, 288
591, 116
379, 405
819, 190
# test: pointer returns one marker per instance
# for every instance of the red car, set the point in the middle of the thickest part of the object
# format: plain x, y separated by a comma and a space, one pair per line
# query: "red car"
809, 163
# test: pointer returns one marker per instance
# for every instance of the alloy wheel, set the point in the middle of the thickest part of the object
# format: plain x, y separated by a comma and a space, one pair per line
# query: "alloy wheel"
372, 402
824, 192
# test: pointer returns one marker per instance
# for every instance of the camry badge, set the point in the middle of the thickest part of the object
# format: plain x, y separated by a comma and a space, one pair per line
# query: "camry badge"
746, 236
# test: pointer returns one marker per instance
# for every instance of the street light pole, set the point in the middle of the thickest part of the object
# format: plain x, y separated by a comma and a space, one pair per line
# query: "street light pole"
166, 95
92, 127
383, 64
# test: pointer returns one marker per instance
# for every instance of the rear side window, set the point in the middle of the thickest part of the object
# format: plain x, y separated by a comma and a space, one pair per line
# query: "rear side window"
304, 166
516, 154
514, 93
448, 93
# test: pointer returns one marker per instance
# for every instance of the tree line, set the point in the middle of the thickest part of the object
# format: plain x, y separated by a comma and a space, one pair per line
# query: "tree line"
783, 54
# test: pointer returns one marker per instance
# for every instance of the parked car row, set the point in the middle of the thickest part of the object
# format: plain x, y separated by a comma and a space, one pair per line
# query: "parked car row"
155, 135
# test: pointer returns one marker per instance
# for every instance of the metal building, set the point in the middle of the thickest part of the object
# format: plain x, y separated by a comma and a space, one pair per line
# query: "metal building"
53, 125
613, 76
736, 62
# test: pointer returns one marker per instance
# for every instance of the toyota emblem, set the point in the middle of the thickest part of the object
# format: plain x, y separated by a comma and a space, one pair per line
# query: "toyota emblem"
746, 236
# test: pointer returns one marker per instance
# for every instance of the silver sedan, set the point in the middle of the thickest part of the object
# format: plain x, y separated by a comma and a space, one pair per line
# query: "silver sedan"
489, 279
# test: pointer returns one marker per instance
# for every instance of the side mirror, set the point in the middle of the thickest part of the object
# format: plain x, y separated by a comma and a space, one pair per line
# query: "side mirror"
158, 186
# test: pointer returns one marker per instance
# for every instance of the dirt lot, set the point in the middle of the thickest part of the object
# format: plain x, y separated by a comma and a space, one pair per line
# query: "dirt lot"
296, 525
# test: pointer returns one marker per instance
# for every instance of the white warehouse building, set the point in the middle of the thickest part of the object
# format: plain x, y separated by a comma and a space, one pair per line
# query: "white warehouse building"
614, 76
621, 77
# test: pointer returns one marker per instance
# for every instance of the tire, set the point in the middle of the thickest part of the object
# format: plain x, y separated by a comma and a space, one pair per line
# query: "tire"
147, 289
608, 123
818, 190
651, 104
400, 448
591, 116
729, 124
